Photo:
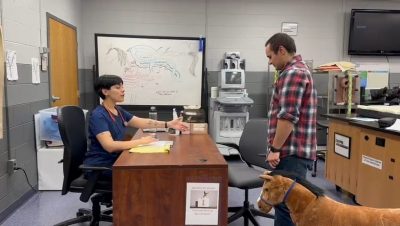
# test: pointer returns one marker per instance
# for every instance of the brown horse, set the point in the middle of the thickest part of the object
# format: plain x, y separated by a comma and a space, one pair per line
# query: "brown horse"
309, 207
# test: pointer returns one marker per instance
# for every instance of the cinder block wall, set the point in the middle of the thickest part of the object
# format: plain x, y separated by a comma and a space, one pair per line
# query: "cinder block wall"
228, 25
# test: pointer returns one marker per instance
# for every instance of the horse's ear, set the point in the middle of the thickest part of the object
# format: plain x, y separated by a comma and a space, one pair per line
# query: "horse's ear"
267, 172
266, 177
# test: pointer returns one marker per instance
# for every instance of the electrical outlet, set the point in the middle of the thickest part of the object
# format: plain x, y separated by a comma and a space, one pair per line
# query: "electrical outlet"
11, 164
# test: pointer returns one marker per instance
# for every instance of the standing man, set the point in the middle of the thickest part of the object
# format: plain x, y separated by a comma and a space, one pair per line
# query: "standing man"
292, 114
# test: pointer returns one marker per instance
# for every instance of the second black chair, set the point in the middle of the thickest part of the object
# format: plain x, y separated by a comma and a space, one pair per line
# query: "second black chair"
252, 148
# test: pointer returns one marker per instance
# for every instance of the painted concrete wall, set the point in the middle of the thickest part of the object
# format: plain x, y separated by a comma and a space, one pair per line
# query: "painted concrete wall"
25, 30
233, 25
228, 25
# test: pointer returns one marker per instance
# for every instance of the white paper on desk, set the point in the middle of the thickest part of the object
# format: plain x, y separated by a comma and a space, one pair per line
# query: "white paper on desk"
202, 201
395, 126
152, 130
160, 143
11, 65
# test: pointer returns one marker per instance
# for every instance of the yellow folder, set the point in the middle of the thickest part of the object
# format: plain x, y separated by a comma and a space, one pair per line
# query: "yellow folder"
156, 147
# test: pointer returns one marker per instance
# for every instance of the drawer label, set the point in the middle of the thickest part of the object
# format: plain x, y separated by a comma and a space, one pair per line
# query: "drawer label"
376, 163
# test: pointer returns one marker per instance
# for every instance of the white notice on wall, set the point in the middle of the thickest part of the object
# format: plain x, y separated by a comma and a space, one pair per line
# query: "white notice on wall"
35, 71
289, 28
11, 65
202, 203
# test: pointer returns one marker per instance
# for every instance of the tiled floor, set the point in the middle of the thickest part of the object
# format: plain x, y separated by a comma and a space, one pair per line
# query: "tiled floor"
49, 207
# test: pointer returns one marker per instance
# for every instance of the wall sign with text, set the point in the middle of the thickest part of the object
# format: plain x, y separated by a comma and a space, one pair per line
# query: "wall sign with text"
289, 28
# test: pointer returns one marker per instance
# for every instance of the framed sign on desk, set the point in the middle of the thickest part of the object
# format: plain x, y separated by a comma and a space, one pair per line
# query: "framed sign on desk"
342, 145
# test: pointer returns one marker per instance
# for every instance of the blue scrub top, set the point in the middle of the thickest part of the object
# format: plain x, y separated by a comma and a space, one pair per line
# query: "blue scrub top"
101, 121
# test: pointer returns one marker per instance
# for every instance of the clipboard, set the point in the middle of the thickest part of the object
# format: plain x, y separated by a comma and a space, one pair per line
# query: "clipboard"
155, 147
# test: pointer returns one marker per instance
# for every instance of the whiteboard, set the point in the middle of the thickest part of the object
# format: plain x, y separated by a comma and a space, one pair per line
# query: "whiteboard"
155, 70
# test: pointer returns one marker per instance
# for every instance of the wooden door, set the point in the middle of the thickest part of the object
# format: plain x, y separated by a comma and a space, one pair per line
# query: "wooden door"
63, 73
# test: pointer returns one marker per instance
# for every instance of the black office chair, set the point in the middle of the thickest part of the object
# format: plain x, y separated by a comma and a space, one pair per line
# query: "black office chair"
71, 123
252, 148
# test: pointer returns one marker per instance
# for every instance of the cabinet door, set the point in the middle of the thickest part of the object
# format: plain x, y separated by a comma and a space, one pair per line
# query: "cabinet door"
340, 170
392, 177
374, 186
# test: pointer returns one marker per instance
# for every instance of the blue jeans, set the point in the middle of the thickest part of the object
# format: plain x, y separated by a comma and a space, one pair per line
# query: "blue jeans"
291, 164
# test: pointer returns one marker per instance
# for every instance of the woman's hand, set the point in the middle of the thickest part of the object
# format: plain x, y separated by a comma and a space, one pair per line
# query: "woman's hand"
147, 140
177, 124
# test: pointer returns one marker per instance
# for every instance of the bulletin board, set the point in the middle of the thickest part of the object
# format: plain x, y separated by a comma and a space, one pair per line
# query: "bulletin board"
155, 70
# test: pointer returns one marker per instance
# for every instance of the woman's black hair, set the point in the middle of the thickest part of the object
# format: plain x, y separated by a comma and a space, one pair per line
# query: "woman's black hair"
105, 82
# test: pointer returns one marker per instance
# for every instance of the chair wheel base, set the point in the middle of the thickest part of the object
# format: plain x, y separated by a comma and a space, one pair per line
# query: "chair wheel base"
248, 213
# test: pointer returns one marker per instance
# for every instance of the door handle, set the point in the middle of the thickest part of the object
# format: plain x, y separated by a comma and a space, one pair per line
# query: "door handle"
54, 98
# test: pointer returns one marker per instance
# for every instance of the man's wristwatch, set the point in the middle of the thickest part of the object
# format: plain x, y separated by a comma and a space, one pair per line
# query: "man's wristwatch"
274, 150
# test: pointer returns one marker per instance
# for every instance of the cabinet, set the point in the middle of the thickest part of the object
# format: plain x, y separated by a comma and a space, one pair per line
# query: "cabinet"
50, 172
372, 171
379, 170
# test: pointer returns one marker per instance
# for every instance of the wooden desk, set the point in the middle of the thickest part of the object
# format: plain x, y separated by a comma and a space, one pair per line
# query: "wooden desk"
150, 189
372, 172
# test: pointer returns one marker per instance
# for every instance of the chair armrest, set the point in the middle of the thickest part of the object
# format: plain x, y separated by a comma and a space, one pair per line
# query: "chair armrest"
94, 168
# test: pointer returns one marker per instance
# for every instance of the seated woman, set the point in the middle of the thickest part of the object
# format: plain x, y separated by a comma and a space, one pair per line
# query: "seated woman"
108, 122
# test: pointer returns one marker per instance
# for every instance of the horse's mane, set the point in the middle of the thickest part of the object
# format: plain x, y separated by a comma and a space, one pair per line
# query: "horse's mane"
313, 188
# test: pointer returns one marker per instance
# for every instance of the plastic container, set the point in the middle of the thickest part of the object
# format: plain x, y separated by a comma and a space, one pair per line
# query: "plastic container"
175, 116
48, 125
153, 115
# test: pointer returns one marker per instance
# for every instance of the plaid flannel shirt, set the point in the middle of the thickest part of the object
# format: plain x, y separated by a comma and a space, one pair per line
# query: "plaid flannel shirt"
294, 99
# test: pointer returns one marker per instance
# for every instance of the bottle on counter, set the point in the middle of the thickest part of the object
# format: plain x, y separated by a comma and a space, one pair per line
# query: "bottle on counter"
175, 116
153, 115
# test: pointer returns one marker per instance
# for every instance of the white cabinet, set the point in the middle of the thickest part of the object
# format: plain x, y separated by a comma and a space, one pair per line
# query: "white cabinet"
50, 172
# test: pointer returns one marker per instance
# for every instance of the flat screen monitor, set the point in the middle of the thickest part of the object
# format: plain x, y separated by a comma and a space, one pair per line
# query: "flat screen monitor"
374, 32
232, 78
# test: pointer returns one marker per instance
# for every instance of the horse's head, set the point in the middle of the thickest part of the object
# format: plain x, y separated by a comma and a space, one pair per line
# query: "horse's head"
273, 191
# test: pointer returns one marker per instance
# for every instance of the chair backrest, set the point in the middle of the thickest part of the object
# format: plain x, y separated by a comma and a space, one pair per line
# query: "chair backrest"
253, 142
71, 123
